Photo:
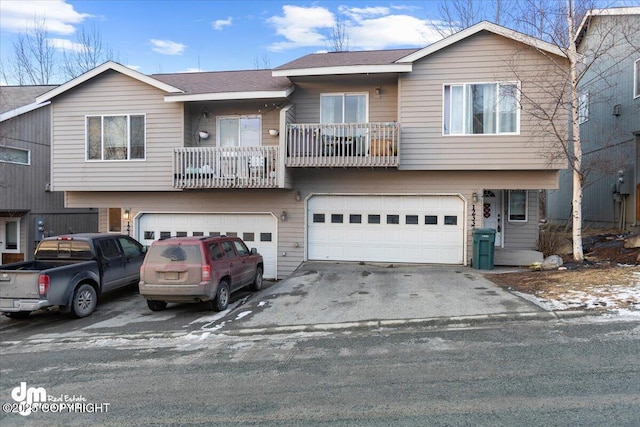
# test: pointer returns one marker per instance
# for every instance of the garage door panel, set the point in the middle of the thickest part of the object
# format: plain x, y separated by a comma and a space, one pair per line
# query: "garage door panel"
438, 236
151, 226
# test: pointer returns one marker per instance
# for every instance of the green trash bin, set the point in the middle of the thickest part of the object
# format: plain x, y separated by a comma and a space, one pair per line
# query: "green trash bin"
484, 240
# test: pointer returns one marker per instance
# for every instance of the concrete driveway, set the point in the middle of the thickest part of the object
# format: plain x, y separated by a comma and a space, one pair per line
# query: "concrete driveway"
336, 295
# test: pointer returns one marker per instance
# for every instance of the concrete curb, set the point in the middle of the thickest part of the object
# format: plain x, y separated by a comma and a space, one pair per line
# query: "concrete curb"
472, 320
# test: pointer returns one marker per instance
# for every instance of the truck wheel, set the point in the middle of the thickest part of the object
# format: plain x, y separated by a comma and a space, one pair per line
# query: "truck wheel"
84, 301
156, 305
257, 281
221, 301
18, 314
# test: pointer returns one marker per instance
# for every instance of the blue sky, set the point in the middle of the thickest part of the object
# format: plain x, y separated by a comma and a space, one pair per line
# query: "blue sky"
211, 35
180, 36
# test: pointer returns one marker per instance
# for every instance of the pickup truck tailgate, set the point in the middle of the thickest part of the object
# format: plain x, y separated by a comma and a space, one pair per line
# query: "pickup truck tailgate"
19, 284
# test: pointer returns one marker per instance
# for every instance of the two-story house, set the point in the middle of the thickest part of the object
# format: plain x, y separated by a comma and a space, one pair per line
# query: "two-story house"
609, 94
378, 156
29, 210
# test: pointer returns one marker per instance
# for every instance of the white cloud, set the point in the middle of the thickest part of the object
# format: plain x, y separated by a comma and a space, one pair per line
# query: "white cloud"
167, 47
64, 44
134, 67
59, 17
366, 27
358, 13
301, 25
221, 23
392, 31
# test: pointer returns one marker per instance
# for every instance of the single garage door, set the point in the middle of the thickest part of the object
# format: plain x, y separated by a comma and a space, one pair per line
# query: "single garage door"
257, 230
412, 229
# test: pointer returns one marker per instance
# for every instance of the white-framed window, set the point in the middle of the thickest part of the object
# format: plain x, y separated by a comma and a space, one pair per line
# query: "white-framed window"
583, 107
636, 79
343, 108
11, 240
239, 131
481, 108
117, 137
518, 206
18, 156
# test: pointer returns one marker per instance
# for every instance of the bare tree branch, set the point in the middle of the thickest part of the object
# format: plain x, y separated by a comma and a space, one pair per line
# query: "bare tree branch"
339, 37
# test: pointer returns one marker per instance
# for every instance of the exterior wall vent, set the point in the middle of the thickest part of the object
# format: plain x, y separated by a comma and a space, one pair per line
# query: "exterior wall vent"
616, 109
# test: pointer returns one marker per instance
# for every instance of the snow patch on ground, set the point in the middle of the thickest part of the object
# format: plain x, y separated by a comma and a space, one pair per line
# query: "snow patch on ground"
623, 300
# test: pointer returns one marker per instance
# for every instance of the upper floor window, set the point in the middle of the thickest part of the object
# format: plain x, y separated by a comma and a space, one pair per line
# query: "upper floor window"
481, 108
115, 137
15, 155
583, 107
343, 108
239, 131
636, 79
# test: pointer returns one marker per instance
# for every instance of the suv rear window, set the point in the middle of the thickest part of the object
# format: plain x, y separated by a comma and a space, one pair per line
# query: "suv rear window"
175, 253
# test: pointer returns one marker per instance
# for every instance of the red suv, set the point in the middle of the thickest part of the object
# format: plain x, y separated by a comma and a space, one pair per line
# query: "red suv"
194, 269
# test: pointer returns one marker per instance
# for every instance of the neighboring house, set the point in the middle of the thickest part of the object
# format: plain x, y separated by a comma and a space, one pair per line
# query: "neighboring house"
378, 156
29, 211
610, 123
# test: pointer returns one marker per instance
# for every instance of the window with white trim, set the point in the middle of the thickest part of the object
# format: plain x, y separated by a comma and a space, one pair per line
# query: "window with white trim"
636, 79
481, 109
15, 155
343, 108
583, 107
120, 137
518, 206
239, 131
11, 236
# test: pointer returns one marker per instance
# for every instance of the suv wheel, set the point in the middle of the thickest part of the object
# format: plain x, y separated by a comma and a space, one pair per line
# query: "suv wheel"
156, 305
221, 301
257, 281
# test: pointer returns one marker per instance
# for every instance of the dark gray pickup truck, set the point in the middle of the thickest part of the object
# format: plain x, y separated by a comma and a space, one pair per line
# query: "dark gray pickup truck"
70, 272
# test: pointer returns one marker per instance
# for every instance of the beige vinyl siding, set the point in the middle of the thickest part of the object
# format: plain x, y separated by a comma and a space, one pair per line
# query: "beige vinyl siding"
291, 233
306, 97
190, 128
267, 110
481, 58
112, 93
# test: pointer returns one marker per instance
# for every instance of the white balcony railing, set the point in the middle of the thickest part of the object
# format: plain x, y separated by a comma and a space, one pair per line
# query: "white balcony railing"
342, 145
225, 167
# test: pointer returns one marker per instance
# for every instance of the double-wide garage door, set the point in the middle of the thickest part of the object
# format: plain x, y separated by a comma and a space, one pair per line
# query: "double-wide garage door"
412, 229
257, 230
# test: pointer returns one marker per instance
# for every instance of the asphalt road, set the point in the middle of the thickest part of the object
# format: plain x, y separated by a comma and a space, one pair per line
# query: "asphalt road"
573, 372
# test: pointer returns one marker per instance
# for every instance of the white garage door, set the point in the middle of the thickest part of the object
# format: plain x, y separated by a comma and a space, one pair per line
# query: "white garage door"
412, 229
257, 230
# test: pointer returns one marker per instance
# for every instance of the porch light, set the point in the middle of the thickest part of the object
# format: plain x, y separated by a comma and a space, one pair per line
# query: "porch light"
283, 216
378, 92
127, 217
474, 197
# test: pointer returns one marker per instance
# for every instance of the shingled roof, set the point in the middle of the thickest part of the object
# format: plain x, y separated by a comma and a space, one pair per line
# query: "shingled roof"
225, 81
345, 59
12, 97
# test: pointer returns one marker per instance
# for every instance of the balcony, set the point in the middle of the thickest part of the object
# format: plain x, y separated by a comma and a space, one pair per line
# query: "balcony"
342, 145
225, 167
